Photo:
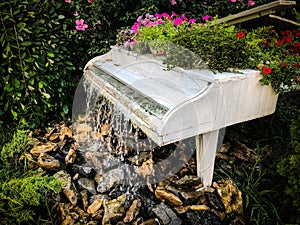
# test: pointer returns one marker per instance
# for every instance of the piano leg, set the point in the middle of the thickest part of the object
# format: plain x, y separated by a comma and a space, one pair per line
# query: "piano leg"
206, 148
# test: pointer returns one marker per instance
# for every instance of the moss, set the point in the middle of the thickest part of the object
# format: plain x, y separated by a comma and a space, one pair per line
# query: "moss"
23, 193
19, 143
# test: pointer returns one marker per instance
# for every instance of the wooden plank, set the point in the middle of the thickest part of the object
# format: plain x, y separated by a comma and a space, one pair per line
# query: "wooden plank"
284, 20
257, 12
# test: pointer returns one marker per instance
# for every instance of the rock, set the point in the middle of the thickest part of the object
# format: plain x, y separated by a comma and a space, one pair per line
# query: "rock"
133, 211
48, 162
230, 195
242, 152
114, 210
70, 157
189, 197
111, 179
166, 215
224, 148
189, 181
167, 197
149, 222
96, 205
31, 163
65, 132
214, 201
94, 158
199, 207
69, 189
140, 158
105, 129
182, 209
48, 147
72, 214
54, 137
138, 221
87, 184
85, 199
202, 217
83, 128
84, 170
146, 169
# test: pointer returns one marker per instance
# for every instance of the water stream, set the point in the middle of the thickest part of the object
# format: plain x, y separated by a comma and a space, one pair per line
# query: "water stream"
121, 145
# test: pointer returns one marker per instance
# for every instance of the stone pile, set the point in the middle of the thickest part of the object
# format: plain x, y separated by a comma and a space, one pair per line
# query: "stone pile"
91, 196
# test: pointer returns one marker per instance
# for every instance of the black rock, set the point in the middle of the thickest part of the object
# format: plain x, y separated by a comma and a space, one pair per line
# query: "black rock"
201, 217
214, 201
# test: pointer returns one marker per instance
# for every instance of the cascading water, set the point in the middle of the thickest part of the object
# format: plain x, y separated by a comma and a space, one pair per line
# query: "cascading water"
121, 144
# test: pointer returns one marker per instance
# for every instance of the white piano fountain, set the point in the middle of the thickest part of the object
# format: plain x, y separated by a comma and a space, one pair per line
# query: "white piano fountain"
172, 105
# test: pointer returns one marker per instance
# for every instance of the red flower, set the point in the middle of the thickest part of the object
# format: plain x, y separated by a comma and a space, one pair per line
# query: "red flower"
294, 49
267, 44
297, 34
296, 44
288, 39
241, 34
282, 32
295, 64
282, 64
288, 33
266, 70
280, 42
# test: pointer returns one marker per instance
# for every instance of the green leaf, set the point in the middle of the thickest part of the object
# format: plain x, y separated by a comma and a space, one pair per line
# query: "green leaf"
26, 43
51, 54
41, 85
15, 114
16, 83
30, 88
65, 109
46, 95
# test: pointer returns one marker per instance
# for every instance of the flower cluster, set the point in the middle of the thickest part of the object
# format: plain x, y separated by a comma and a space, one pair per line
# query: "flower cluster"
282, 67
155, 27
276, 55
250, 2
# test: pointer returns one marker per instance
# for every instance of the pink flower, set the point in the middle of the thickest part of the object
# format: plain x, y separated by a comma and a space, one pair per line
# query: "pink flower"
90, 1
192, 20
178, 21
184, 17
135, 27
251, 3
233, 1
206, 17
80, 25
133, 41
76, 14
173, 14
67, 1
157, 15
173, 2
98, 22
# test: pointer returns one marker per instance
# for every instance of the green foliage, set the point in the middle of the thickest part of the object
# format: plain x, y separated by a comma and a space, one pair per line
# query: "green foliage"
216, 45
37, 68
19, 144
23, 195
257, 206
289, 167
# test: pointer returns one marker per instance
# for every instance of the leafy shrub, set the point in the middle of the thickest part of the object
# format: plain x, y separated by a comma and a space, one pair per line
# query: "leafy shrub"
289, 167
23, 194
37, 69
19, 144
